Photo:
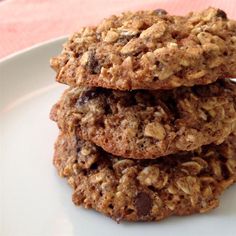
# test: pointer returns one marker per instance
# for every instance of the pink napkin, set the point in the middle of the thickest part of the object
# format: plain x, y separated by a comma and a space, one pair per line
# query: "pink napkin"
24, 23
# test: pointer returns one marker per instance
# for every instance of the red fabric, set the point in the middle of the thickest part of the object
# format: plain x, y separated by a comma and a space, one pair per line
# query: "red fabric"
24, 23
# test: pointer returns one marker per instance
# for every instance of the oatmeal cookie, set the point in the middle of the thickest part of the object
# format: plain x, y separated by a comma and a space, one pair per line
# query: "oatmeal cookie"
150, 50
148, 124
145, 190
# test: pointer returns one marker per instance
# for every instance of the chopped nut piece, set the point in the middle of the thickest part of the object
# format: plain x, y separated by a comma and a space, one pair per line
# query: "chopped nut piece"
84, 59
155, 31
111, 36
85, 151
134, 46
155, 130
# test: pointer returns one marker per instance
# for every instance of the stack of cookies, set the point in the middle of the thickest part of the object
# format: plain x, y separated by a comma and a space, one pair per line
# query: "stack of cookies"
147, 125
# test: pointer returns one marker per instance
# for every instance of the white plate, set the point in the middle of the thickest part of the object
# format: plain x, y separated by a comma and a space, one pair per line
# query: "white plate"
34, 201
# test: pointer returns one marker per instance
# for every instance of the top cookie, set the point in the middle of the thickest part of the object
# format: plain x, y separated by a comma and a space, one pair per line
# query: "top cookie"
150, 50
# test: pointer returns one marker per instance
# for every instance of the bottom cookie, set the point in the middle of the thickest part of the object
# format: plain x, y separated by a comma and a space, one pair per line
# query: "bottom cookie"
145, 190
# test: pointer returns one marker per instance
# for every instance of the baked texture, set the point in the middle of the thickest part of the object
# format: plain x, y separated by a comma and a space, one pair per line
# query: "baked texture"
145, 190
148, 124
150, 50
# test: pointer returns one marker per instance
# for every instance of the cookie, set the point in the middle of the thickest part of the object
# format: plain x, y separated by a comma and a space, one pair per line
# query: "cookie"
150, 50
148, 124
145, 190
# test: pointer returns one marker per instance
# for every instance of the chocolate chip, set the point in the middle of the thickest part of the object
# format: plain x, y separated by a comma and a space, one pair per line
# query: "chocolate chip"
78, 149
131, 101
143, 204
94, 166
93, 65
79, 145
225, 171
221, 14
86, 96
172, 105
160, 12
107, 109
89, 95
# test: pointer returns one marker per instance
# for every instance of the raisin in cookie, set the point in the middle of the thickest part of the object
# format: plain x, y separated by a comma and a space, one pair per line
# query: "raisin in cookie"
150, 50
148, 124
145, 190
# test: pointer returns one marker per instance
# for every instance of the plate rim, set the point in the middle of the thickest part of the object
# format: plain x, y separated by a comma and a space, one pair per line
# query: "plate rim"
34, 46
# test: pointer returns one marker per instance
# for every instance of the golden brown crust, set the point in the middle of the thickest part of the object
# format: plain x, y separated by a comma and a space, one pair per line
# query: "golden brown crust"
150, 50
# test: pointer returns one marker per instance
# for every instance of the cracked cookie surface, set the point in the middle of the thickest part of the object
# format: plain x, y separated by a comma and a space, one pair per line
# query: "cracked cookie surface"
145, 190
148, 124
150, 50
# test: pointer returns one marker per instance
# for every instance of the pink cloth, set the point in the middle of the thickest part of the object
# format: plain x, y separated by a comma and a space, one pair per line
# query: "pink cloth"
24, 23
